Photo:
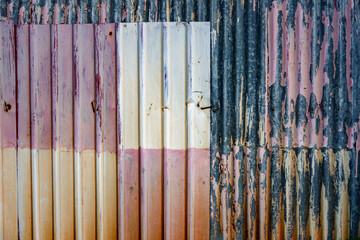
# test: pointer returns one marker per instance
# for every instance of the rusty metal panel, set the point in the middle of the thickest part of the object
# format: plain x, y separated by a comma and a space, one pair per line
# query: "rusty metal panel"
253, 189
103, 11
285, 120
111, 139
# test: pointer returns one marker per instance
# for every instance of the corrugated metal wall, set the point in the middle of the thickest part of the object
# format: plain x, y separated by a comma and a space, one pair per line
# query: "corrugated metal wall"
285, 84
105, 131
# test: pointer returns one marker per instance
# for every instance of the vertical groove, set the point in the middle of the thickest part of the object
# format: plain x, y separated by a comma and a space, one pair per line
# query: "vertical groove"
190, 134
84, 134
23, 131
105, 89
41, 126
8, 132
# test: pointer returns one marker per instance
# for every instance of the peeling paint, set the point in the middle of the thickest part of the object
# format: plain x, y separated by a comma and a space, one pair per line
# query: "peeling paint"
284, 84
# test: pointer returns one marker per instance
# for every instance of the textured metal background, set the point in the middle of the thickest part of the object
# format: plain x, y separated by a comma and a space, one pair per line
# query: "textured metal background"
285, 107
105, 131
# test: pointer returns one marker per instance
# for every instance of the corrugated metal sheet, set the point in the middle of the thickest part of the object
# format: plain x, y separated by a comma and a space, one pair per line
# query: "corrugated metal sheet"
284, 107
285, 126
105, 131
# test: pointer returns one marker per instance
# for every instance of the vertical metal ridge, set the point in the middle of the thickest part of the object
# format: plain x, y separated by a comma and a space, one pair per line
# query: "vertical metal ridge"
99, 100
294, 132
128, 130
189, 14
153, 11
174, 129
355, 166
62, 131
120, 138
143, 182
92, 9
189, 136
215, 116
166, 104
197, 121
275, 98
24, 139
55, 129
151, 153
8, 133
105, 93
251, 123
84, 131
263, 152
40, 79
77, 136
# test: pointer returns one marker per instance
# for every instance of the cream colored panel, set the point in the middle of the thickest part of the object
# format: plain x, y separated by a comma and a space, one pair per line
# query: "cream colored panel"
198, 85
174, 85
8, 193
128, 85
24, 189
150, 70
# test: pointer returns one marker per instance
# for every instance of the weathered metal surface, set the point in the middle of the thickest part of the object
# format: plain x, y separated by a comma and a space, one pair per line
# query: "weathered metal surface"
284, 158
112, 133
84, 131
8, 160
103, 11
285, 120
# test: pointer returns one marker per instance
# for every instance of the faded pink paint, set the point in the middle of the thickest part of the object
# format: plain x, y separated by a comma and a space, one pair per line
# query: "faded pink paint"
102, 11
7, 81
9, 11
45, 15
291, 67
105, 92
62, 86
23, 85
304, 54
320, 79
129, 194
198, 192
151, 193
175, 193
84, 87
295, 59
21, 15
40, 86
56, 14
